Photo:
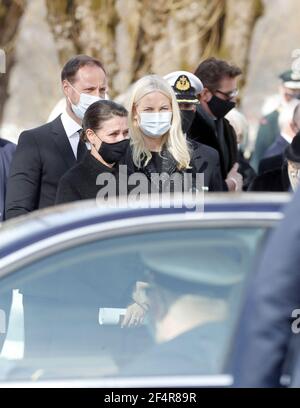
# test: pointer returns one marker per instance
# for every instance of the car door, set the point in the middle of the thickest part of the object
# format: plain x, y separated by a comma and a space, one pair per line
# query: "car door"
70, 295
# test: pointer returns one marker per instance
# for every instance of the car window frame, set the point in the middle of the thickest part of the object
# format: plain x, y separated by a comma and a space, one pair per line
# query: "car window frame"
101, 231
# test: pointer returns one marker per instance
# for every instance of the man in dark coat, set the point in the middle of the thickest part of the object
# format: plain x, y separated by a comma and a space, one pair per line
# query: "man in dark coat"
209, 126
44, 154
284, 178
7, 150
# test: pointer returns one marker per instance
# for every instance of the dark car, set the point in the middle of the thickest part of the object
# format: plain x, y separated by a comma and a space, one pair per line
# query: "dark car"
73, 270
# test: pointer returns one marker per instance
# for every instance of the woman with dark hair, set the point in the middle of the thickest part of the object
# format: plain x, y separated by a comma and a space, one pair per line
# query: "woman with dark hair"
105, 128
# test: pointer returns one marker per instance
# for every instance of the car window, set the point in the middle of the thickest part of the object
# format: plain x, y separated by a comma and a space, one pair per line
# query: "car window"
68, 307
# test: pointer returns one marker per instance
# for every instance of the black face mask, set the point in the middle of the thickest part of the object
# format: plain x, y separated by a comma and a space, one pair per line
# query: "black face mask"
187, 117
113, 152
219, 107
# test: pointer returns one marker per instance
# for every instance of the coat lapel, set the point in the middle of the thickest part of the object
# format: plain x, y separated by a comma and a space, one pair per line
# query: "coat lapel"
205, 128
230, 138
198, 162
62, 142
286, 185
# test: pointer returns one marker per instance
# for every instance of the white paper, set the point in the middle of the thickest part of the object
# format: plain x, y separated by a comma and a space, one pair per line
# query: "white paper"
111, 315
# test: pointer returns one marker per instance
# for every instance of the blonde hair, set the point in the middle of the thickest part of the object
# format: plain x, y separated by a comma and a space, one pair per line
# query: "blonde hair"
174, 140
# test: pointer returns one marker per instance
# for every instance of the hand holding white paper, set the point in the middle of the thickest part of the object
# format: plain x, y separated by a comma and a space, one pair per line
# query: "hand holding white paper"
111, 315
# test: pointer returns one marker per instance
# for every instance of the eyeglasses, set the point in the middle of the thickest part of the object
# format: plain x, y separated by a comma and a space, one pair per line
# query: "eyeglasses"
230, 94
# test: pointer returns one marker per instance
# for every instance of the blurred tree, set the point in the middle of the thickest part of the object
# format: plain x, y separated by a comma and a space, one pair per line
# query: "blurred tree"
135, 37
11, 12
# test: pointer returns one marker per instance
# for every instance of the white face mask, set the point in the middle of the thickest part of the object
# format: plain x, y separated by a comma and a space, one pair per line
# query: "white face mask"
85, 101
155, 124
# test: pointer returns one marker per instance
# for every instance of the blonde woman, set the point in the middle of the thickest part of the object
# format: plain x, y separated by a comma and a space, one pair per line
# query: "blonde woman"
158, 144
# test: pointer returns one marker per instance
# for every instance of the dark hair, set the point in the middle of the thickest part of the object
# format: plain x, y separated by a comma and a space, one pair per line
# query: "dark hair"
71, 68
211, 71
98, 113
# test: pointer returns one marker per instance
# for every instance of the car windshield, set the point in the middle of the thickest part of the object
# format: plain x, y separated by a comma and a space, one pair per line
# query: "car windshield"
159, 303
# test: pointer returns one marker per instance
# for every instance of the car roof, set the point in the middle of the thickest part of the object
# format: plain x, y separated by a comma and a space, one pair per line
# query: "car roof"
24, 230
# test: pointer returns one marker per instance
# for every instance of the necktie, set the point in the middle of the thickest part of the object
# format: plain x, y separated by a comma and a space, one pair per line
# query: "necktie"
81, 150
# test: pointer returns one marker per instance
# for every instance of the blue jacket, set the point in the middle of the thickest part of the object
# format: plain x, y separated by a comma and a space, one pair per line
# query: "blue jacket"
278, 147
265, 335
7, 150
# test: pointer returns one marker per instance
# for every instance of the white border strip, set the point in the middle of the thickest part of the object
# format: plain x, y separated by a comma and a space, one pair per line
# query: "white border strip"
131, 382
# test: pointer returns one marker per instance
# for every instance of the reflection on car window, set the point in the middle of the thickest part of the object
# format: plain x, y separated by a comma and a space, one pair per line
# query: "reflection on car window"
161, 303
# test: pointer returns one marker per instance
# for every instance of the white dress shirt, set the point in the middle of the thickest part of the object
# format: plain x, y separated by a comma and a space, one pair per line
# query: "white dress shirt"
72, 129
286, 137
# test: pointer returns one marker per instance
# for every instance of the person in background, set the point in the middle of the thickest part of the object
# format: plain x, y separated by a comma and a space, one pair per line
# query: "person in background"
105, 128
187, 311
186, 87
7, 150
286, 130
158, 145
239, 123
220, 81
44, 154
275, 162
289, 89
284, 178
